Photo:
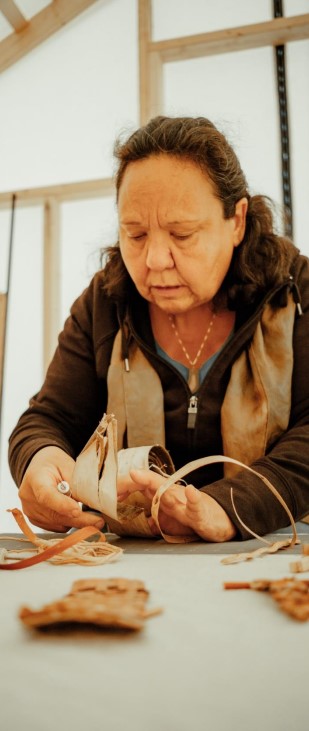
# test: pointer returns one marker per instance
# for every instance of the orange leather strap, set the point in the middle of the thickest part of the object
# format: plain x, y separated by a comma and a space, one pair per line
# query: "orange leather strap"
62, 545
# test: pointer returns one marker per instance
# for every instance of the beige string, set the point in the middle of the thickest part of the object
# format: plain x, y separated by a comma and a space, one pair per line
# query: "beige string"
71, 549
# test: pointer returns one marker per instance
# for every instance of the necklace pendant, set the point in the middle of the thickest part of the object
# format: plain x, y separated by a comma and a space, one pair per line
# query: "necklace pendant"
193, 379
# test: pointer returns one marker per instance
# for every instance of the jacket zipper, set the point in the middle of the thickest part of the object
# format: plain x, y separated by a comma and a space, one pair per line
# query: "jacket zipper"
192, 412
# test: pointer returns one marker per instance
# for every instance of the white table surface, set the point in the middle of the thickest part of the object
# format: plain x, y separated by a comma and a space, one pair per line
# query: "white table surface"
213, 660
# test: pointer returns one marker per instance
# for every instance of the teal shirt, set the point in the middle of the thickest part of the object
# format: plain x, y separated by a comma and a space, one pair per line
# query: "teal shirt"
185, 371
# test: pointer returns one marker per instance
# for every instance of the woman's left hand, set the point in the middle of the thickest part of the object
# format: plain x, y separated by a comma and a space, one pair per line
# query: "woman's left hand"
183, 510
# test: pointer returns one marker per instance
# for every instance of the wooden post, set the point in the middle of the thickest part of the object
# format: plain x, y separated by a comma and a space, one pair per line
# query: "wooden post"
150, 67
3, 304
51, 280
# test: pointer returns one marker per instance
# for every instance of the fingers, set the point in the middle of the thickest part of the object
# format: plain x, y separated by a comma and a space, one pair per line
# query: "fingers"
143, 481
50, 510
125, 486
50, 498
146, 479
54, 524
192, 494
50, 519
149, 482
42, 503
153, 527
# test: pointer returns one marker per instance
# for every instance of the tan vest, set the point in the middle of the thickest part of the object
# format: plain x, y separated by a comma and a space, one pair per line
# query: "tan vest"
256, 407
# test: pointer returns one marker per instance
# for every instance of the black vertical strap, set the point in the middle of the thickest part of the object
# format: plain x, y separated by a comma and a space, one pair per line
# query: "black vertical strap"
9, 277
284, 128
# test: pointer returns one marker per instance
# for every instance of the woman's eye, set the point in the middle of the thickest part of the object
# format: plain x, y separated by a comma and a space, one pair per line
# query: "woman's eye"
136, 237
181, 237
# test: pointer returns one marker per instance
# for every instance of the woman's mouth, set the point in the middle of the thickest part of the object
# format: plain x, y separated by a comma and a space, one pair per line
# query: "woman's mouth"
167, 291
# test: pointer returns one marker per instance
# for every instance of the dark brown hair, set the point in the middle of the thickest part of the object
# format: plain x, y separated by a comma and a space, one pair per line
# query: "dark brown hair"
264, 258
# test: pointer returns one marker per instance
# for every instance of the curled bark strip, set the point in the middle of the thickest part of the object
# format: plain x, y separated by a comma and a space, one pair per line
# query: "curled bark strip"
203, 462
94, 480
263, 551
74, 548
95, 483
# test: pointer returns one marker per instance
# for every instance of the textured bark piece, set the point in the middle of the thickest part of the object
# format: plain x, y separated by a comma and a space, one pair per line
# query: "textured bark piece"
301, 564
291, 595
111, 603
94, 480
74, 548
258, 552
95, 483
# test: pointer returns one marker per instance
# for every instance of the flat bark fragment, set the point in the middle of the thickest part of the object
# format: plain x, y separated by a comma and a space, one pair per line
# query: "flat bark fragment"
107, 603
292, 595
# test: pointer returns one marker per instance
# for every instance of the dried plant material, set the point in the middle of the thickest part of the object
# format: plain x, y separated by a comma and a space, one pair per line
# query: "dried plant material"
303, 563
94, 482
74, 548
262, 551
203, 462
110, 603
292, 595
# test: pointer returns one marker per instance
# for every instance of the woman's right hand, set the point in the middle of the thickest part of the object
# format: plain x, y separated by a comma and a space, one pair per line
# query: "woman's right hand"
43, 504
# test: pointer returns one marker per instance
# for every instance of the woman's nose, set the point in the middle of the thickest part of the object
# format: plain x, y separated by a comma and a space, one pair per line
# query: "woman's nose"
159, 255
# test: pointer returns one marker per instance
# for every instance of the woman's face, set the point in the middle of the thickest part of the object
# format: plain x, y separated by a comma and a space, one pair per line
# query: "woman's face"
174, 240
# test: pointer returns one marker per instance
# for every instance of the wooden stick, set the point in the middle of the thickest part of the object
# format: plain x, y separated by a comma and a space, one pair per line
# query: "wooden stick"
253, 584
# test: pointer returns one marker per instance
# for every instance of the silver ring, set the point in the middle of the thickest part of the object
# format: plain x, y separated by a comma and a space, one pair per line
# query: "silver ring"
64, 488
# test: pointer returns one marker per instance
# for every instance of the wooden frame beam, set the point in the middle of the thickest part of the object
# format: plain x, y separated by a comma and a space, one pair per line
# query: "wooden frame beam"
3, 308
61, 193
51, 279
13, 15
39, 28
271, 33
153, 54
150, 66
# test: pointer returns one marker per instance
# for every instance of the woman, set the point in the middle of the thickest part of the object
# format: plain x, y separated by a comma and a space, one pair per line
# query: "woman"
198, 301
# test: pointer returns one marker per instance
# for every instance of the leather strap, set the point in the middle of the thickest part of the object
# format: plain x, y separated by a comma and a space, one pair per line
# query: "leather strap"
79, 535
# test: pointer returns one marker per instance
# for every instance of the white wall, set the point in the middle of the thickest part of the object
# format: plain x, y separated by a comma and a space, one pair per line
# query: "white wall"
62, 107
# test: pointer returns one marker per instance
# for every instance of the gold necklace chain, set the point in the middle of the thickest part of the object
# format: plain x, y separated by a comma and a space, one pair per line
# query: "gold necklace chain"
202, 345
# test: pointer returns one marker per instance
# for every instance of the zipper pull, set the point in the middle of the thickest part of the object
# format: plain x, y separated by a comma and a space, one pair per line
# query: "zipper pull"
192, 412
